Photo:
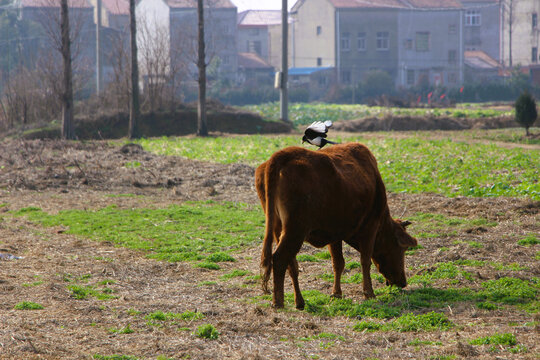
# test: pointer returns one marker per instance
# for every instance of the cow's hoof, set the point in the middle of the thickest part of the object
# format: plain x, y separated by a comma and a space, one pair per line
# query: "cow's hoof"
277, 306
336, 296
369, 296
300, 306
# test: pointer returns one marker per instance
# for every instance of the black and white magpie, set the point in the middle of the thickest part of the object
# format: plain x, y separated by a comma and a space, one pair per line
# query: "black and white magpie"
315, 133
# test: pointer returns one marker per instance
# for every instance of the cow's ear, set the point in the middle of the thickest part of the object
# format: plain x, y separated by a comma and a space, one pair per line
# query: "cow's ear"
406, 223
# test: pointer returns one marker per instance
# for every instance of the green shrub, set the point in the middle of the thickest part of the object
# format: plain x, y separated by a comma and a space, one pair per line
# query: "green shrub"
526, 113
497, 339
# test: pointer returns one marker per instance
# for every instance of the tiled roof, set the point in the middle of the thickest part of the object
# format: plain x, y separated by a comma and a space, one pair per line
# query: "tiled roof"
397, 4
434, 4
116, 7
193, 4
252, 61
259, 17
54, 3
480, 60
374, 4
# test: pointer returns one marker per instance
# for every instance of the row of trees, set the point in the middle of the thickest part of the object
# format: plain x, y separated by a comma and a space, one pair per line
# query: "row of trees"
47, 86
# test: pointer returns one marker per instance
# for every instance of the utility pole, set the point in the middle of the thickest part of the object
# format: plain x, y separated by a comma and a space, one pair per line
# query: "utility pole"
134, 108
283, 94
202, 129
99, 65
67, 96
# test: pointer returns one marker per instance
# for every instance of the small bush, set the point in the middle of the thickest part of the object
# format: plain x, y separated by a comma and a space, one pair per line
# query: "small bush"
220, 257
526, 113
207, 331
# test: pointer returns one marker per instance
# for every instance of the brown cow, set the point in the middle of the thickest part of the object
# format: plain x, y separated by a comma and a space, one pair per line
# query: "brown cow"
326, 197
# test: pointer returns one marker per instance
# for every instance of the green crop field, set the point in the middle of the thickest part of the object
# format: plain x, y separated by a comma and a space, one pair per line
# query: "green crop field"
413, 164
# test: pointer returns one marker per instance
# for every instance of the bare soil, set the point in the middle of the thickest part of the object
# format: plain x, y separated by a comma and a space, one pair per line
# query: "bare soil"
55, 175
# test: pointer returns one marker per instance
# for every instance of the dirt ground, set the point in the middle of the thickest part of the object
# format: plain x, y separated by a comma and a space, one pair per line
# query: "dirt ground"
54, 175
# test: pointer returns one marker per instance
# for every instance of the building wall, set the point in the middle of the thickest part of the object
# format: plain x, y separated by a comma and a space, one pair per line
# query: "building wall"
486, 35
523, 36
308, 45
352, 64
254, 39
275, 44
441, 58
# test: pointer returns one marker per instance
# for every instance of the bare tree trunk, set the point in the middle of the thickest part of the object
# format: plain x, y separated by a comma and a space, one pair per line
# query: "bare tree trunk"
67, 97
510, 21
134, 109
202, 130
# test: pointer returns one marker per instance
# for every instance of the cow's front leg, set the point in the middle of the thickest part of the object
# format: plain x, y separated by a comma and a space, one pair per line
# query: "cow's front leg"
338, 264
366, 273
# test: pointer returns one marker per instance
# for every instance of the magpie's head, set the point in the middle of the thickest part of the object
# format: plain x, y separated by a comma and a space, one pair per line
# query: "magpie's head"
304, 139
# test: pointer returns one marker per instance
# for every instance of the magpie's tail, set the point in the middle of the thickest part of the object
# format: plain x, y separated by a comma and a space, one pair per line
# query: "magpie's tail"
332, 142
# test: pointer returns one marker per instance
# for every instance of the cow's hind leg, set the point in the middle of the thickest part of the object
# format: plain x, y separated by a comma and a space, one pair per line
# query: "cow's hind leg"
338, 263
283, 257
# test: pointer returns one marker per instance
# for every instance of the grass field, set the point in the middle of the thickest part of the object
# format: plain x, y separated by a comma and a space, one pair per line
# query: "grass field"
143, 274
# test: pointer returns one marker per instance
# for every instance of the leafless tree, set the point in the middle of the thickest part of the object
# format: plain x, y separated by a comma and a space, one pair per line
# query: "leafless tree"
202, 129
67, 98
134, 110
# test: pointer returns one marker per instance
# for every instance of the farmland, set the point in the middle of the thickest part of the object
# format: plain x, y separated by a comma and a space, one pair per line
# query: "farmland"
153, 254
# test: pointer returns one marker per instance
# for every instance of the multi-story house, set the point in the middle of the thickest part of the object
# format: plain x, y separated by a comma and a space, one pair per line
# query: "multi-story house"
429, 43
520, 32
481, 24
46, 15
259, 31
170, 27
409, 39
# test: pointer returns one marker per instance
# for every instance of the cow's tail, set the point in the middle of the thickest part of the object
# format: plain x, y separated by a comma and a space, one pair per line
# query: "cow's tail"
275, 163
270, 183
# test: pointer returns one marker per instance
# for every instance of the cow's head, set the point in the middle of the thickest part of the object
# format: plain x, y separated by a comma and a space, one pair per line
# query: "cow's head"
389, 252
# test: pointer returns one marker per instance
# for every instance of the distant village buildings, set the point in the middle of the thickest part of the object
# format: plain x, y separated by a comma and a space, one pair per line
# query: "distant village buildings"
436, 42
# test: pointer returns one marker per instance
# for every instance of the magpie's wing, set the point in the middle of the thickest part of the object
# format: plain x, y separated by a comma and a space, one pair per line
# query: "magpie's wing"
318, 127
311, 134
328, 123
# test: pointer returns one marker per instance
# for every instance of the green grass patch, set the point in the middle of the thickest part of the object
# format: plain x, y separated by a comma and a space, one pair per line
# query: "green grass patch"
84, 292
113, 357
125, 330
169, 316
439, 271
28, 305
507, 339
207, 331
307, 258
529, 240
189, 232
233, 274
410, 322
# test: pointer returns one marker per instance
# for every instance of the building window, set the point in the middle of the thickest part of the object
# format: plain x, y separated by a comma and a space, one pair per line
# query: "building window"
534, 56
319, 30
361, 41
345, 41
534, 21
319, 61
408, 44
410, 77
473, 18
383, 40
346, 77
255, 47
452, 29
323, 81
422, 41
452, 57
